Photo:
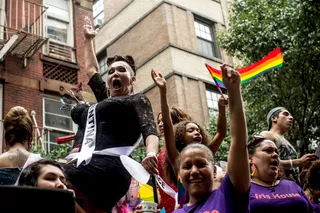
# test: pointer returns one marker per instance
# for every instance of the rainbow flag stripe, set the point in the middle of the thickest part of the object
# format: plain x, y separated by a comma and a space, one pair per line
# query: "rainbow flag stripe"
181, 193
272, 61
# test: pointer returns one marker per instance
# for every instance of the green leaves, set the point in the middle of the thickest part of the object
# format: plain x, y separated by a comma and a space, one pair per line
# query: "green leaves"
256, 28
59, 151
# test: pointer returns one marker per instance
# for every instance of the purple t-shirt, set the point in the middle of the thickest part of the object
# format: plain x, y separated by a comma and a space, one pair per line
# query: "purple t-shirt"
287, 196
225, 199
317, 208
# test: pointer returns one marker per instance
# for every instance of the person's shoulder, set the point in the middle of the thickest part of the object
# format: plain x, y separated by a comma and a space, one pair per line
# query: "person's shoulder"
179, 211
3, 160
288, 183
268, 134
141, 97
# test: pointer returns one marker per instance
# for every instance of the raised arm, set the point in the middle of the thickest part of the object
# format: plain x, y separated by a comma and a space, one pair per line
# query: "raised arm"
172, 151
221, 126
90, 60
238, 166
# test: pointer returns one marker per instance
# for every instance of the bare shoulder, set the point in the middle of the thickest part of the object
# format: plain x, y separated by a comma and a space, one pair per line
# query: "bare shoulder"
270, 135
4, 161
15, 159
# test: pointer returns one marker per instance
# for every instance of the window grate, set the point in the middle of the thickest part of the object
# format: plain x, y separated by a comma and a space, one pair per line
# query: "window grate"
60, 73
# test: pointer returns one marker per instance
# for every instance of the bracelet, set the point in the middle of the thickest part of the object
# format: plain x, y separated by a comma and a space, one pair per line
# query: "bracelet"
151, 154
291, 164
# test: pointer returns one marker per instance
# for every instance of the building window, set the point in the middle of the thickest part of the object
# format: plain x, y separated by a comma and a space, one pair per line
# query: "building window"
206, 39
59, 25
57, 123
98, 13
212, 101
102, 60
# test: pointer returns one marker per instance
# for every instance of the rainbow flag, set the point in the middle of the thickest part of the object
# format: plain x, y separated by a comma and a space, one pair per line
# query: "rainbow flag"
272, 61
181, 194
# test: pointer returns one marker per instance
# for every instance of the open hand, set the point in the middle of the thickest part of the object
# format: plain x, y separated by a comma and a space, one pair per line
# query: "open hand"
158, 80
231, 79
88, 30
307, 159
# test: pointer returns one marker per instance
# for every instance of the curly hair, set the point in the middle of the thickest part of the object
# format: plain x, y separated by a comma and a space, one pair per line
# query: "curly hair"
128, 59
313, 176
18, 126
177, 115
30, 174
180, 131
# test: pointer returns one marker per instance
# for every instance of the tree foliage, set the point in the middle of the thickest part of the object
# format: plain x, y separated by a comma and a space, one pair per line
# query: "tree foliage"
223, 151
57, 152
255, 29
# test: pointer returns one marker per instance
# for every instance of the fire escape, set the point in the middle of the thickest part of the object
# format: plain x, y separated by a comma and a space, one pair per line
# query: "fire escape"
21, 28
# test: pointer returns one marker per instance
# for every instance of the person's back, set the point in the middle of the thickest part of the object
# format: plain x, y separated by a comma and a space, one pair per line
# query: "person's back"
18, 136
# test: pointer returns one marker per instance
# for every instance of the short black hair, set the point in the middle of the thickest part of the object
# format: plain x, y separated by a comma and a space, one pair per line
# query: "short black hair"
128, 59
255, 143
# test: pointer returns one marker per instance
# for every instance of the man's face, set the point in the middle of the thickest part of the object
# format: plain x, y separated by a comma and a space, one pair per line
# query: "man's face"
283, 120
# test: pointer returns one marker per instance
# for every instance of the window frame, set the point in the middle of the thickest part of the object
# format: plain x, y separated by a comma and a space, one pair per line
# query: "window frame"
46, 137
101, 12
212, 111
214, 43
100, 56
70, 31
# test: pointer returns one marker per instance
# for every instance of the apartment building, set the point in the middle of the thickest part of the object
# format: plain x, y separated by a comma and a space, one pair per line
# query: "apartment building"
174, 37
41, 54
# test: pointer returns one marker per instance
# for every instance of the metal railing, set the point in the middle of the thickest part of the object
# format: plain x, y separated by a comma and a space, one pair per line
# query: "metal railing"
25, 16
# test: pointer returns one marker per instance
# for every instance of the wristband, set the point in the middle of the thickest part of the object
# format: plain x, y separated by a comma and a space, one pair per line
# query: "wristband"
151, 154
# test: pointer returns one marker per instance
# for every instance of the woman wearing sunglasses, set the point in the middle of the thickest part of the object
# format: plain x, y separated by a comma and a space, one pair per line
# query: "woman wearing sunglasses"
268, 193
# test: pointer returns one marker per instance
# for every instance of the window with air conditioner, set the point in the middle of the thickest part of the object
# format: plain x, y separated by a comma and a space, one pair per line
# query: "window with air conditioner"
98, 13
57, 123
59, 30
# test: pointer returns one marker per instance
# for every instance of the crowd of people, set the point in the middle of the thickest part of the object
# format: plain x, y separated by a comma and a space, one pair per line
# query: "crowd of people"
262, 175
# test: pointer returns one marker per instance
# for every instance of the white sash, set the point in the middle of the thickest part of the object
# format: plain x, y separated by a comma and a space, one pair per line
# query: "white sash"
89, 139
165, 187
115, 151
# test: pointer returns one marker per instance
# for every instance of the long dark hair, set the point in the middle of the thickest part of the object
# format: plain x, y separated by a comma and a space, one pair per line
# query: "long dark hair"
30, 174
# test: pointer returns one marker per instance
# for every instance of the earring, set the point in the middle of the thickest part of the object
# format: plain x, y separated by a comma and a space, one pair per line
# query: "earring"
254, 169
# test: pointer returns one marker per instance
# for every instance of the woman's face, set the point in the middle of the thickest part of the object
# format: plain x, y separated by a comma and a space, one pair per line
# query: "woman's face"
120, 79
160, 124
266, 159
192, 134
196, 172
51, 177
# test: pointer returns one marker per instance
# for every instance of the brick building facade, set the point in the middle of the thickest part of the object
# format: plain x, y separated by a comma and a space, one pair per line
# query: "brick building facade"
175, 37
43, 62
